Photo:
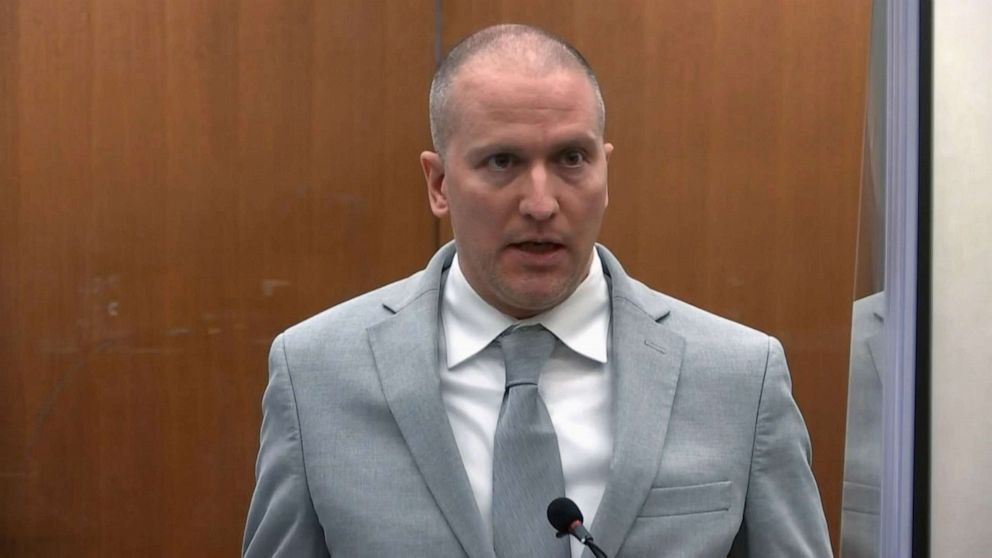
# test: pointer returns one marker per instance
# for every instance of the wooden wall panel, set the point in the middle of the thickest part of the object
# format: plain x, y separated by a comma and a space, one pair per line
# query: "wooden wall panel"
180, 181
735, 179
13, 462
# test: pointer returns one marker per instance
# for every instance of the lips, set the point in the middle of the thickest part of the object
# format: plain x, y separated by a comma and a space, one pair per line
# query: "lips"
537, 247
537, 254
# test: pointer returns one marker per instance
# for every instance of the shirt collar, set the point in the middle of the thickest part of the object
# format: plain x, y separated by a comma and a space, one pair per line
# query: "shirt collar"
581, 321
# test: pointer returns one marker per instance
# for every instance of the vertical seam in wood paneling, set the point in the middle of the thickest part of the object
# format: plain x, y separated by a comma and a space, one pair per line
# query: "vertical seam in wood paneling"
437, 33
438, 21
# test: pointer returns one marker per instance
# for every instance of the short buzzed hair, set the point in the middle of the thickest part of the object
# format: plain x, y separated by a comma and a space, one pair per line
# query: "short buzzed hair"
511, 43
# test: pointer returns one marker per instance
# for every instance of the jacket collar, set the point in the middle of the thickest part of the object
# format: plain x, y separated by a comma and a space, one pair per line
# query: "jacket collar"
646, 360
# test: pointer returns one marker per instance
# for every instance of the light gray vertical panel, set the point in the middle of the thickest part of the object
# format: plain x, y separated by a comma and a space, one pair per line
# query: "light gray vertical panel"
898, 392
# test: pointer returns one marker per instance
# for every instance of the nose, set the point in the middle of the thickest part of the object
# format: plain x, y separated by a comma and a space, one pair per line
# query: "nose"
538, 201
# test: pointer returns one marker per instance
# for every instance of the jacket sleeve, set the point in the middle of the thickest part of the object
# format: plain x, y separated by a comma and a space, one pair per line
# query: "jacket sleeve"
783, 515
281, 518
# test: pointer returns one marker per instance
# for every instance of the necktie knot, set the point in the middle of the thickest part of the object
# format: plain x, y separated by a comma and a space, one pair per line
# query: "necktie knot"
525, 352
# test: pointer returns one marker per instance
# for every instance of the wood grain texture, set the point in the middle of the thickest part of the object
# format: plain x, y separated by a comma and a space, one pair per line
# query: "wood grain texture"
735, 180
180, 181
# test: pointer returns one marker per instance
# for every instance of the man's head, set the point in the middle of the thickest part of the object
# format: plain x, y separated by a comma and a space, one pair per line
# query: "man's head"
514, 45
521, 166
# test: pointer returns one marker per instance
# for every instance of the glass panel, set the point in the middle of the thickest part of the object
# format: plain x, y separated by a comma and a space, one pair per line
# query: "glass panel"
863, 450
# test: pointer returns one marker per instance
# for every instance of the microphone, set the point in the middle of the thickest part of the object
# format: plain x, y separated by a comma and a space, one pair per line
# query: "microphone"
566, 518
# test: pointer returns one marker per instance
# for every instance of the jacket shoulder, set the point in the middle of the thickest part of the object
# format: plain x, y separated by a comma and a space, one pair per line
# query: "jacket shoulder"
696, 325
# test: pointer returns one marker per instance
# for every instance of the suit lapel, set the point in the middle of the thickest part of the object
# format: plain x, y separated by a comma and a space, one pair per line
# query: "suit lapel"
876, 342
646, 358
405, 350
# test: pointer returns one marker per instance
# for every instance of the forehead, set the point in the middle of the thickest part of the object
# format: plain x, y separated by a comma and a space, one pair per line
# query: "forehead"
490, 94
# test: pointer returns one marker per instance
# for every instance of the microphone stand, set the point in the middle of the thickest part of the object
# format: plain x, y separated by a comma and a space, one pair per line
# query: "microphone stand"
586, 540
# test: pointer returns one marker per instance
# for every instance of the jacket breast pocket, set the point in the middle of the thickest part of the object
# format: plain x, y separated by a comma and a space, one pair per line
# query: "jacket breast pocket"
685, 500
862, 498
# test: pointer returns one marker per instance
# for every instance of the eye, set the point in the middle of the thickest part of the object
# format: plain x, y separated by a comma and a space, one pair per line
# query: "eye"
500, 161
572, 158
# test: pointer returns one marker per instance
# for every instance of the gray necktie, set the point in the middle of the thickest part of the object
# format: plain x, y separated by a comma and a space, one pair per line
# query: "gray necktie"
526, 463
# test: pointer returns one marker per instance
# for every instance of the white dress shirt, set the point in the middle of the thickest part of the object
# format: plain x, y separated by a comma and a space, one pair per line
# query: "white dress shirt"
575, 385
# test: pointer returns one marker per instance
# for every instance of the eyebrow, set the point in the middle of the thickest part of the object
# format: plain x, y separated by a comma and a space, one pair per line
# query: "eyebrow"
585, 141
582, 141
491, 148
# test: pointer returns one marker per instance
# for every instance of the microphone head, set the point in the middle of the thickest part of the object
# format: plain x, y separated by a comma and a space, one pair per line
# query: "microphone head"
563, 513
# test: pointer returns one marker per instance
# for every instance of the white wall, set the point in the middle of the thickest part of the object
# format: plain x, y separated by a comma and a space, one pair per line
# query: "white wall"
962, 280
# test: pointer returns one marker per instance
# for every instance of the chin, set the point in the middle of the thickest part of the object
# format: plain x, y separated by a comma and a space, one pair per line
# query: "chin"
531, 302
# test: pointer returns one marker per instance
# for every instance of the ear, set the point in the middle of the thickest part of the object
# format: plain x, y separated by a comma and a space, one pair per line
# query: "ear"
434, 175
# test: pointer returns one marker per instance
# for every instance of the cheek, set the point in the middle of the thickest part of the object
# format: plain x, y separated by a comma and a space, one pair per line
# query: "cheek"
481, 214
586, 211
477, 225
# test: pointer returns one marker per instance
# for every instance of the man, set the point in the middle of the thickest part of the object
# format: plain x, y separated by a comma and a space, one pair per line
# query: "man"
396, 424
860, 529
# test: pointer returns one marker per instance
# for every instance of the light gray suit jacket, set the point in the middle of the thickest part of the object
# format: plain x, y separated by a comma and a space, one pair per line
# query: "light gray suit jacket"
860, 531
357, 458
